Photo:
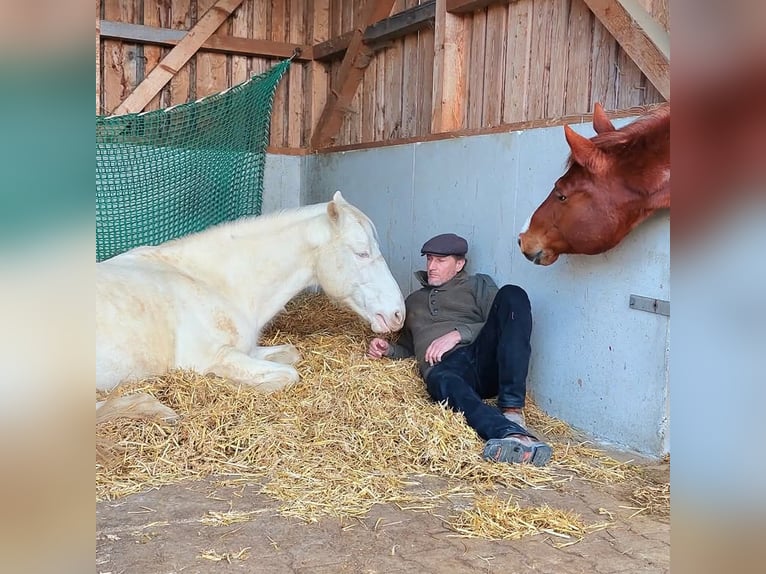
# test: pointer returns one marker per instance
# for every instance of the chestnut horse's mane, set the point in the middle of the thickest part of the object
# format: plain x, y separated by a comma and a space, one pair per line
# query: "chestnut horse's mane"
654, 121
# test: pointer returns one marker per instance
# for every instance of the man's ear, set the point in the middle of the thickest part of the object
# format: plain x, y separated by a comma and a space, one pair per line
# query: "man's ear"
460, 264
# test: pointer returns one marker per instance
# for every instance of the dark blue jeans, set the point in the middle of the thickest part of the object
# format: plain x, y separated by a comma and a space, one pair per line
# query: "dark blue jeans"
496, 363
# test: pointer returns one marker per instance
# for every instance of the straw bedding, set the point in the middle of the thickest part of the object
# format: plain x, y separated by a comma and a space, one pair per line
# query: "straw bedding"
352, 433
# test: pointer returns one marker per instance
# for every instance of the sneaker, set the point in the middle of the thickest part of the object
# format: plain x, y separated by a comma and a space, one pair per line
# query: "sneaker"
517, 449
516, 417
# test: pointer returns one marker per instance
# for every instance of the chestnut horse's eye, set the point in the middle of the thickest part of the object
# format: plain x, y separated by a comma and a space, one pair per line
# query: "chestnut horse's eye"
561, 197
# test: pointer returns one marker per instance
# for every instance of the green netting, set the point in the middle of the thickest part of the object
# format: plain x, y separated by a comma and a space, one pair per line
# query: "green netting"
166, 173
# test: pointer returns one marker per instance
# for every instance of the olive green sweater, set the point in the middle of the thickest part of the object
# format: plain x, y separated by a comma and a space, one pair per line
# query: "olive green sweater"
461, 304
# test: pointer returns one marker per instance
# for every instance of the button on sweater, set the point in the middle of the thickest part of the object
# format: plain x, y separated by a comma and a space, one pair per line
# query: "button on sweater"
461, 304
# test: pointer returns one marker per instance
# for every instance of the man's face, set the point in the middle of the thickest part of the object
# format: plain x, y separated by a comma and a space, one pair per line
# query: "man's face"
442, 268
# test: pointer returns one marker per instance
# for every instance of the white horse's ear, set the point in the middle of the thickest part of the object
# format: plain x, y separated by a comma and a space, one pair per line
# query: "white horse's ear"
338, 197
332, 210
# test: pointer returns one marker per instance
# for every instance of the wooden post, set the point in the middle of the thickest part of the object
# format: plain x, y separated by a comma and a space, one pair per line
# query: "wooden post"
177, 57
448, 102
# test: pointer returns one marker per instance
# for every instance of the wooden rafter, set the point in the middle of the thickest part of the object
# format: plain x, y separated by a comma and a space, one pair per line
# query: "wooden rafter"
645, 41
448, 99
465, 6
381, 32
177, 57
227, 44
349, 75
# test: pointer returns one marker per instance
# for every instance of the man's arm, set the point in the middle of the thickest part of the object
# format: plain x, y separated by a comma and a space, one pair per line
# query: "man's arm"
403, 348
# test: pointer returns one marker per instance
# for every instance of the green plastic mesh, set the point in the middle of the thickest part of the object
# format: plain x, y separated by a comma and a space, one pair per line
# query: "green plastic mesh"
167, 173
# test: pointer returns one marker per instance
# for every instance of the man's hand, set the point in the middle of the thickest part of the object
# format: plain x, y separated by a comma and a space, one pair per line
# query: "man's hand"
378, 348
439, 346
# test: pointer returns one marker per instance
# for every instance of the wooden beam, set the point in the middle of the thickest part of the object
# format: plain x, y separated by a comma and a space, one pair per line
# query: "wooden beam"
226, 44
401, 23
349, 75
448, 101
178, 56
465, 6
332, 48
397, 26
645, 41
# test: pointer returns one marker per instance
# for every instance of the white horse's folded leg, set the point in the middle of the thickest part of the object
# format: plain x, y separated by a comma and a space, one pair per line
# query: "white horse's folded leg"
238, 367
285, 354
134, 406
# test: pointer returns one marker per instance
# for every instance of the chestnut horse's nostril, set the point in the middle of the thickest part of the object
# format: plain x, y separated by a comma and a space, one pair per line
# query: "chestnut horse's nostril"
518, 241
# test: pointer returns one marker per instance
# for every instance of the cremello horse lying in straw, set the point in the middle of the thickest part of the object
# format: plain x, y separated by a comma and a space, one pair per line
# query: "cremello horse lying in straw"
200, 302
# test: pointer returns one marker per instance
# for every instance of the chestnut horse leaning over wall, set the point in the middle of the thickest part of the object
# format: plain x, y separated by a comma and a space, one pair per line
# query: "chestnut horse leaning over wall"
614, 181
200, 302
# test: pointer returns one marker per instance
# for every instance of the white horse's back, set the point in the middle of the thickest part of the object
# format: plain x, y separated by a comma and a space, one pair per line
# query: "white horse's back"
200, 302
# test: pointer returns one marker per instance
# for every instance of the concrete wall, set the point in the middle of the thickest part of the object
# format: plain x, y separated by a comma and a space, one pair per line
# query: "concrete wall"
596, 363
283, 183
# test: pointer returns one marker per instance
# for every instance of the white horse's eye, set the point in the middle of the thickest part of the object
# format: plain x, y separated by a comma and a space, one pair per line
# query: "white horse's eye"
363, 255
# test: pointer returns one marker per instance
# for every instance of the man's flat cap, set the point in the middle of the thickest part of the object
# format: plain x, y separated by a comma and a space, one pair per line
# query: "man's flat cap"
445, 244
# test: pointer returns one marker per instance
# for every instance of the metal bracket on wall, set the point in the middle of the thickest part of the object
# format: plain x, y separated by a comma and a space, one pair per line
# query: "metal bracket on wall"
659, 306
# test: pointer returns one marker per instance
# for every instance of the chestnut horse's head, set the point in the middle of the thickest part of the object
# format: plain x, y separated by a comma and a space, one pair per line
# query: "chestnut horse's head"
614, 181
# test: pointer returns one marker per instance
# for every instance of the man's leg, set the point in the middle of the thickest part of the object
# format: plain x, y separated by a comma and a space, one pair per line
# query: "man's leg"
454, 381
502, 348
501, 352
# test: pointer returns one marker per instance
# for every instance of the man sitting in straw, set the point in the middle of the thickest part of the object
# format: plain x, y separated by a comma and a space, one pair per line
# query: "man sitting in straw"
471, 342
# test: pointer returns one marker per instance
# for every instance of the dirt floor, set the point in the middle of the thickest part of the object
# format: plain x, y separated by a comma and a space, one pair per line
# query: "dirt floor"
173, 529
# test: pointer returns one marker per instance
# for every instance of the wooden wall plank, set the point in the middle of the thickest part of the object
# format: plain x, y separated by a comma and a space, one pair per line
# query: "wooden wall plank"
211, 68
98, 57
579, 72
426, 76
113, 87
494, 66
394, 83
449, 92
318, 78
261, 31
519, 48
559, 55
296, 109
156, 13
352, 120
476, 26
279, 111
380, 97
242, 26
180, 83
604, 68
540, 55
369, 97
630, 91
410, 81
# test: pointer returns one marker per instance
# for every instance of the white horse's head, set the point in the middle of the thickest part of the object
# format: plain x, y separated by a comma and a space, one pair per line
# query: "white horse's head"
351, 269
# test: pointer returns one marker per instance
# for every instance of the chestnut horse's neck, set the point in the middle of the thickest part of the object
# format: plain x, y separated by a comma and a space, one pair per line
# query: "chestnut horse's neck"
641, 152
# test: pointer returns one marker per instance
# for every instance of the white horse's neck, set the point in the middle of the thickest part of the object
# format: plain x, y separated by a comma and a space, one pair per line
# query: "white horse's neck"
260, 263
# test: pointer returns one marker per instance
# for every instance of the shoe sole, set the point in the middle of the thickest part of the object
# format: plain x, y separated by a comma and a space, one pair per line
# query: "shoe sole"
514, 451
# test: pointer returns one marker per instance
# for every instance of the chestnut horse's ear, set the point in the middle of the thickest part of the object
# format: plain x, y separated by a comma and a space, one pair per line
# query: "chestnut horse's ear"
601, 123
584, 151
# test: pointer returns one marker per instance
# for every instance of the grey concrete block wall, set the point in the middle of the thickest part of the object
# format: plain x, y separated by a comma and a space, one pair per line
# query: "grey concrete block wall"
596, 363
283, 183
